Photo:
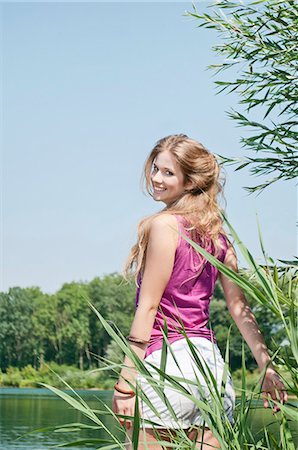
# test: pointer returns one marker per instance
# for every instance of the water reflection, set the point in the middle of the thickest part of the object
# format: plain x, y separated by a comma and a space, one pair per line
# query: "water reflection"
26, 409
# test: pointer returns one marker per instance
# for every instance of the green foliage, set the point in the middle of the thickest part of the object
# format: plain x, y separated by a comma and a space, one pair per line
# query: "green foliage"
14, 376
17, 338
221, 322
47, 373
114, 298
270, 326
260, 39
72, 323
37, 327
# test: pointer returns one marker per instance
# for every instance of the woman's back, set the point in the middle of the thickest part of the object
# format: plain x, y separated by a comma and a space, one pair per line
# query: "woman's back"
188, 293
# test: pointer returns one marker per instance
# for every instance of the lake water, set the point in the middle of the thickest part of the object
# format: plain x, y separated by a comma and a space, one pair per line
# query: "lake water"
24, 410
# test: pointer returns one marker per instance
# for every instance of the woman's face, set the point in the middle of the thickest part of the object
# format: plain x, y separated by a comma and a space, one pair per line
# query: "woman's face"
167, 178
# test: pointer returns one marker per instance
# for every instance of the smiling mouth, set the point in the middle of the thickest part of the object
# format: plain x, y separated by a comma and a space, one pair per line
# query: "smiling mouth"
157, 189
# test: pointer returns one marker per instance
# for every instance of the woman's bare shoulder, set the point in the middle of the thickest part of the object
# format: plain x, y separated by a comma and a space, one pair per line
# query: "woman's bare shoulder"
165, 219
165, 224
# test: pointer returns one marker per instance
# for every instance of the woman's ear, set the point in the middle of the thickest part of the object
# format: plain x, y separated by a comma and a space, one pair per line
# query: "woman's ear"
189, 184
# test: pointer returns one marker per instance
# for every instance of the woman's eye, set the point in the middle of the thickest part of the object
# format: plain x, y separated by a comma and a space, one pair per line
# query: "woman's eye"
167, 172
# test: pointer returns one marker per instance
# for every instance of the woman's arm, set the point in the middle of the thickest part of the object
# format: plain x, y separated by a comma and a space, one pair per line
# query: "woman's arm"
247, 324
159, 264
242, 314
160, 256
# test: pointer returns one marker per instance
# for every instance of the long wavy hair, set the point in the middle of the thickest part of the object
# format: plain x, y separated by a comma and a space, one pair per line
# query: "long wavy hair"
198, 204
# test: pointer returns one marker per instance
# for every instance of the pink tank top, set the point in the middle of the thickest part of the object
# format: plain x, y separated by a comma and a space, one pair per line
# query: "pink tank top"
187, 295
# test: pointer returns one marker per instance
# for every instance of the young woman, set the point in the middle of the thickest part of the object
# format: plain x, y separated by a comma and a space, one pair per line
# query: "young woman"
175, 283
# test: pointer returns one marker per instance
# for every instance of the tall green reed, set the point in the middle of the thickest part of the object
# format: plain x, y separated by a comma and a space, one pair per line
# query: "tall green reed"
273, 288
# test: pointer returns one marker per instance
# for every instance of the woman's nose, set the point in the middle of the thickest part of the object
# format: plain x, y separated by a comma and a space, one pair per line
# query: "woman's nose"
157, 177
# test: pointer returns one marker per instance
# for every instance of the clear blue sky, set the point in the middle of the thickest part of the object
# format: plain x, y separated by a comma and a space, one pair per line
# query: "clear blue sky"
87, 90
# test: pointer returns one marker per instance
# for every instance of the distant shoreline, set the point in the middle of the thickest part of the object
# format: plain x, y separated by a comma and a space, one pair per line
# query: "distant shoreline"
36, 387
291, 397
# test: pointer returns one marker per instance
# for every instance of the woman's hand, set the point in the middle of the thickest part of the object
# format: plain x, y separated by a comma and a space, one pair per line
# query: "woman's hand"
124, 404
273, 387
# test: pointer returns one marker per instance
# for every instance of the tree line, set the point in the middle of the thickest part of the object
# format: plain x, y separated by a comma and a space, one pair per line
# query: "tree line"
62, 328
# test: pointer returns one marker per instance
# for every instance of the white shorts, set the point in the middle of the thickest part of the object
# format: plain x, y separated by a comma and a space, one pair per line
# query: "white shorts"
187, 412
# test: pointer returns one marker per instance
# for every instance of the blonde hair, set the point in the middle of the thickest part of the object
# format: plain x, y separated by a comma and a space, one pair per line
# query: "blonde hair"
198, 203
